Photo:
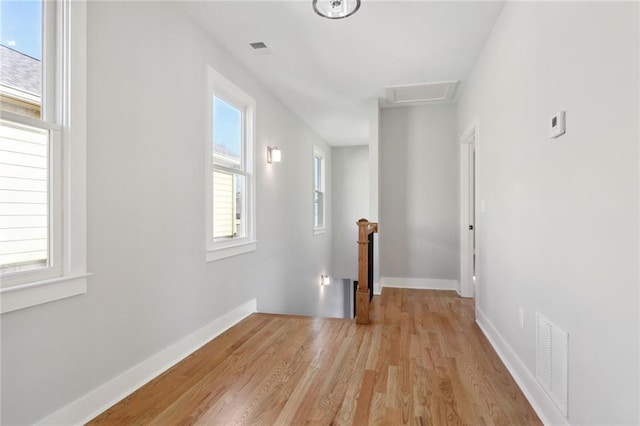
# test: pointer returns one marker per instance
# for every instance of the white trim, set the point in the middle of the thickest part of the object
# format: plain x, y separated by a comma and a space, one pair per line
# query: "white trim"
26, 295
377, 288
55, 43
638, 182
543, 406
74, 139
418, 283
28, 121
101, 398
223, 252
319, 231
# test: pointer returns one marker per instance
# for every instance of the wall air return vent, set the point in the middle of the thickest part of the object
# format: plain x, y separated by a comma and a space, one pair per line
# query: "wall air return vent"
552, 346
420, 93
258, 45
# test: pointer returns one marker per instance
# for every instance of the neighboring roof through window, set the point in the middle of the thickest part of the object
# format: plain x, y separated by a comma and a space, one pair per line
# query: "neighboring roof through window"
19, 71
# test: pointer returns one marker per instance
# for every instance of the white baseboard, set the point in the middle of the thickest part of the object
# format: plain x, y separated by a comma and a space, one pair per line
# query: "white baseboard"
377, 288
541, 403
419, 283
98, 400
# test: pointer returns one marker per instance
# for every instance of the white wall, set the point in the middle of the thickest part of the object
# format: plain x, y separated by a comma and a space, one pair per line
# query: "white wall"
559, 233
419, 201
350, 195
151, 285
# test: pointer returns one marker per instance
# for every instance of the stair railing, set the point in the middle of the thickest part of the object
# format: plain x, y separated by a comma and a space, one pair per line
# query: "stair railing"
364, 293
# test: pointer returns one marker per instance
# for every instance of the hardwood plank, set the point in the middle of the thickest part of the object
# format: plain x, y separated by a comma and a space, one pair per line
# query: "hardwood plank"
422, 360
378, 410
364, 398
347, 409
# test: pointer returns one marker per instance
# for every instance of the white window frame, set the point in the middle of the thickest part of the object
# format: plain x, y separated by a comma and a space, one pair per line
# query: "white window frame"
322, 228
64, 102
221, 87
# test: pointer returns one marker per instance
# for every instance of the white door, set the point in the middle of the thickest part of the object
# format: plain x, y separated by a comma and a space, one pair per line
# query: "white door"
472, 215
468, 235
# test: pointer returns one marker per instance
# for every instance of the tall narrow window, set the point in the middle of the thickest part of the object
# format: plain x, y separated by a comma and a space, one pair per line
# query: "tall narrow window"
318, 191
30, 139
42, 151
229, 175
230, 225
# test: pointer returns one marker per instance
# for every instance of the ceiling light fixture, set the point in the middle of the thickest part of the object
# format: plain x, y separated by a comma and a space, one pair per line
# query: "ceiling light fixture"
336, 9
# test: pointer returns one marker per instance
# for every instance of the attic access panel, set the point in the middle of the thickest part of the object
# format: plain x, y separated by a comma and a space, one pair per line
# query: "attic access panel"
425, 92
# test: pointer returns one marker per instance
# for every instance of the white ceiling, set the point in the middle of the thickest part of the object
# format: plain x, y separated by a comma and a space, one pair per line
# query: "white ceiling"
328, 71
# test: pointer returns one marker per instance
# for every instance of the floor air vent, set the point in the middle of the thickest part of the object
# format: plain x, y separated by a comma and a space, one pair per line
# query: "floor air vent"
552, 346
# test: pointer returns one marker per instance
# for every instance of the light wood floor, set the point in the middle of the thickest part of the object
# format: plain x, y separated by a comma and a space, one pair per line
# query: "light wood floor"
422, 361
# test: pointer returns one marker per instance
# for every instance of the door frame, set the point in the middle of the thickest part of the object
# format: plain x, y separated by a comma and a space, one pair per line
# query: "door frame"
467, 286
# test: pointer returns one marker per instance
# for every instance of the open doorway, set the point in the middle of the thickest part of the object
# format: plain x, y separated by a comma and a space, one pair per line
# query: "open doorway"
468, 285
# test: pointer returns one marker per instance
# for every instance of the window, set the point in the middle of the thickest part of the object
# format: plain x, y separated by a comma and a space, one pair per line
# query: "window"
29, 205
318, 192
230, 180
42, 253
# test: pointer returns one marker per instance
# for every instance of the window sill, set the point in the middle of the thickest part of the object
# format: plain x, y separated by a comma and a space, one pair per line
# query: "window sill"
234, 250
319, 231
26, 295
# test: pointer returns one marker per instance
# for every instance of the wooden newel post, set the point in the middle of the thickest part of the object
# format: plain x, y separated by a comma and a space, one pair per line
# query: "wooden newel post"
362, 294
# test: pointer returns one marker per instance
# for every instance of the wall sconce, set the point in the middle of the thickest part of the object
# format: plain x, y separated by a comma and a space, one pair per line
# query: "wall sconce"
274, 155
325, 280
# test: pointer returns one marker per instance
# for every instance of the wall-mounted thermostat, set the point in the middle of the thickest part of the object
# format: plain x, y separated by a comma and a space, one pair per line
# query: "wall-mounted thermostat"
558, 125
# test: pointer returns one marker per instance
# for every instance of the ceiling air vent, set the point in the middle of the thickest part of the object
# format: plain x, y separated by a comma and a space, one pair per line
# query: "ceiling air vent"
420, 93
260, 48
